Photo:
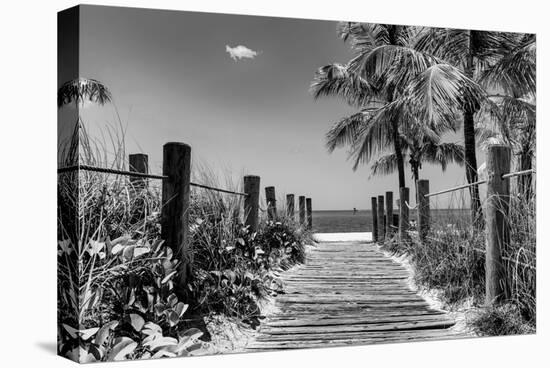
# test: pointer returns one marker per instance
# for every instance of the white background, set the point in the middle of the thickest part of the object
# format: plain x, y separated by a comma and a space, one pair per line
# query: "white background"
28, 195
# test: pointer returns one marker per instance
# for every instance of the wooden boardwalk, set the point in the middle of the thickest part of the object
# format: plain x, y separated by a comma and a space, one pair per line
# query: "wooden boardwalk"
349, 293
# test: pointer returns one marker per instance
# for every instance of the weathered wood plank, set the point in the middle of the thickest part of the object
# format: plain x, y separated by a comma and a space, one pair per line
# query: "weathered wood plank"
349, 293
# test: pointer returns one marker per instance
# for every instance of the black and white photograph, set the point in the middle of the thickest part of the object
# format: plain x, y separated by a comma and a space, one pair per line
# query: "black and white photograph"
236, 184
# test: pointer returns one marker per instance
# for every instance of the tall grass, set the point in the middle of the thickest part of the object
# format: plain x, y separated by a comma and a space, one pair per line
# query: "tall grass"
452, 260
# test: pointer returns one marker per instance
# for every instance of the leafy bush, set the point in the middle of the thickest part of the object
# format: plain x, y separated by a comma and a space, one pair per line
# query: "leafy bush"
116, 299
234, 269
115, 276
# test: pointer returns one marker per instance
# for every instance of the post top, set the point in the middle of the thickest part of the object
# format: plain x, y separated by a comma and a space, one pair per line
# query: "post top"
252, 177
177, 144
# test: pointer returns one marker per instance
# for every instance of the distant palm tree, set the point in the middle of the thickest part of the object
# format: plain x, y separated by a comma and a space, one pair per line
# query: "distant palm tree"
483, 57
420, 148
394, 86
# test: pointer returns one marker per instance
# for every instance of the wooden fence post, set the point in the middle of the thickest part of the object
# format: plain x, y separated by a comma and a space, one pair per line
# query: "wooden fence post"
389, 214
251, 202
395, 222
309, 214
290, 206
381, 225
498, 227
138, 162
302, 209
403, 214
423, 209
374, 211
176, 166
271, 202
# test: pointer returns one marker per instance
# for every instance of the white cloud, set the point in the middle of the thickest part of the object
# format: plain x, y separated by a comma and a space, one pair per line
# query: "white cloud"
240, 52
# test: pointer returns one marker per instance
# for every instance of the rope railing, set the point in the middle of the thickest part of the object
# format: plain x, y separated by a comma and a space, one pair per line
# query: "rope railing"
217, 189
411, 207
138, 175
109, 171
504, 176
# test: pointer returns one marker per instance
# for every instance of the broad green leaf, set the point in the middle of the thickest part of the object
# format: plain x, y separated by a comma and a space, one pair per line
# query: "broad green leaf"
136, 321
122, 348
193, 333
163, 353
104, 332
161, 342
168, 277
138, 251
151, 328
73, 332
88, 333
181, 308
173, 317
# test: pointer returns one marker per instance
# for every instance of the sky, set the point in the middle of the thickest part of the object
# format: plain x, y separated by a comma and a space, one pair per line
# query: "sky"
235, 88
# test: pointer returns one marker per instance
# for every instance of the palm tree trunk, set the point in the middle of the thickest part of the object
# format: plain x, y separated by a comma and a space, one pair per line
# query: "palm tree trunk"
416, 176
525, 182
470, 149
471, 168
398, 154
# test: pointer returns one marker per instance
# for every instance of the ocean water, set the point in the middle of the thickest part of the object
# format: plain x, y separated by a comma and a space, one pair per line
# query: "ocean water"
361, 221
342, 221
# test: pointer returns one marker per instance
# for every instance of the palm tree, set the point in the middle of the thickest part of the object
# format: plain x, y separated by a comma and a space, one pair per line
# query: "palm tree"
420, 148
474, 53
394, 85
83, 89
366, 91
76, 92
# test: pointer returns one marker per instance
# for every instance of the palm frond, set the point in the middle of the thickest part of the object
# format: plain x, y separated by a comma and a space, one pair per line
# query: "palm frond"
392, 63
374, 136
345, 131
446, 153
440, 92
455, 45
385, 165
336, 80
450, 45
83, 89
515, 72
363, 36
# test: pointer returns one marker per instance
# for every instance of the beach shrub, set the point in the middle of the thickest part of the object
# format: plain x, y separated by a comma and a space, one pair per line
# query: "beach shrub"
234, 268
499, 320
452, 260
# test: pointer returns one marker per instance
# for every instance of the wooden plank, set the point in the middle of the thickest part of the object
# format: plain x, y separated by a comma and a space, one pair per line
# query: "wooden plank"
354, 320
348, 293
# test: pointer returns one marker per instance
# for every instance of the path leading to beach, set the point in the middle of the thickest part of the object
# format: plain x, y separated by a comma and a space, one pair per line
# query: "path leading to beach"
349, 292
